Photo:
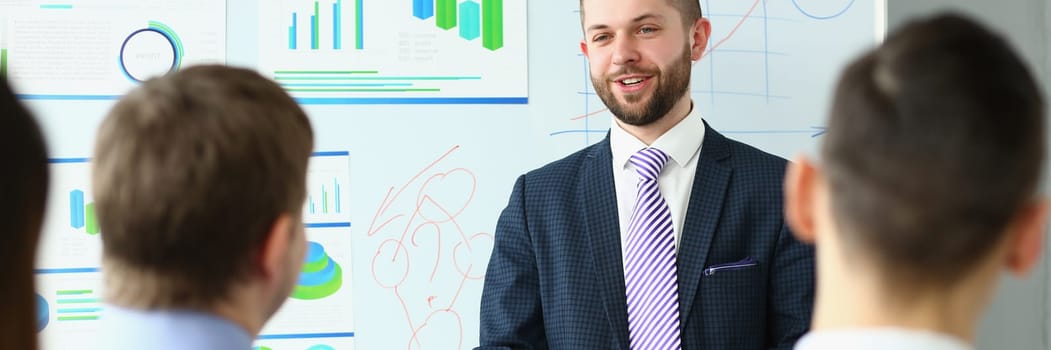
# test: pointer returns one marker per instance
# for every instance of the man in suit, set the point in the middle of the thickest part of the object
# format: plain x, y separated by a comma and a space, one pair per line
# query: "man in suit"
665, 235
928, 188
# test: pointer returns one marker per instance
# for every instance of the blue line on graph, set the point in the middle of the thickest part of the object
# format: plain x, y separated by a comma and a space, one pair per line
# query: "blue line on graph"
330, 154
78, 300
305, 336
766, 50
410, 100
734, 93
327, 224
811, 15
345, 85
585, 131
786, 19
587, 101
69, 97
68, 160
814, 131
79, 311
69, 270
750, 51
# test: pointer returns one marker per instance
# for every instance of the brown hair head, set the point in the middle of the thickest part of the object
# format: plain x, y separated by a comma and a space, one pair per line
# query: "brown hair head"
190, 172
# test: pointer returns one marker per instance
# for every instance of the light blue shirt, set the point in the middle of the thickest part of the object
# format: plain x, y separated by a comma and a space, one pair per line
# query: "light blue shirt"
169, 330
879, 339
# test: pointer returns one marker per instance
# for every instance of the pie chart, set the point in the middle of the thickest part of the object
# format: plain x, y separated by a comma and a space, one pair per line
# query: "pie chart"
321, 276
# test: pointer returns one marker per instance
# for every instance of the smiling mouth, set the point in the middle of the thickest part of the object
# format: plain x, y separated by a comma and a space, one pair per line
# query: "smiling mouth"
632, 81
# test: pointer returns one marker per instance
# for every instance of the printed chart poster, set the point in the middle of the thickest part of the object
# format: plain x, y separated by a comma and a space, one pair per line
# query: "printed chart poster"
69, 305
95, 49
319, 314
396, 51
70, 236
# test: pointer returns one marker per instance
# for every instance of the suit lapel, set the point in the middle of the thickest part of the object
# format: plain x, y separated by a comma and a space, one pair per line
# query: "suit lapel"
702, 217
603, 230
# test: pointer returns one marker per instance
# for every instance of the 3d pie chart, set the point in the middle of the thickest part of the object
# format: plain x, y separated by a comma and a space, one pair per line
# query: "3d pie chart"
321, 276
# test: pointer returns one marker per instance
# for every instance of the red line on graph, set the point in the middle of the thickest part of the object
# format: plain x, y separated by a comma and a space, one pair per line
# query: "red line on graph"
428, 214
579, 117
734, 30
388, 200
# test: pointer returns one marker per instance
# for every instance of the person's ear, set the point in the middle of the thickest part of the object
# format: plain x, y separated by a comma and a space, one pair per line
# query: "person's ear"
699, 35
1026, 242
800, 198
584, 48
274, 251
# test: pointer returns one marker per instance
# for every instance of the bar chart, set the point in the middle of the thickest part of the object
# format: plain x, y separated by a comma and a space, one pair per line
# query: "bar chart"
473, 19
77, 305
308, 25
70, 307
329, 200
81, 215
327, 178
397, 52
69, 239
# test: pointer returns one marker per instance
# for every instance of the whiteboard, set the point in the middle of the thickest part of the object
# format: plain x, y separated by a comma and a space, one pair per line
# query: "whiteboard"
429, 175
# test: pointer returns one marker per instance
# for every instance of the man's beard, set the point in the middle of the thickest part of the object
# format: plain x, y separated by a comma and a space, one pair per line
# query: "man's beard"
674, 83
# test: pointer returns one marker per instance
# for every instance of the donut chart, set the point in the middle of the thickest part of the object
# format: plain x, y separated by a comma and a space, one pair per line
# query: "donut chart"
151, 51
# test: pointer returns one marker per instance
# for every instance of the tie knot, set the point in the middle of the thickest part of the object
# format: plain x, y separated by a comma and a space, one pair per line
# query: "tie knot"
649, 162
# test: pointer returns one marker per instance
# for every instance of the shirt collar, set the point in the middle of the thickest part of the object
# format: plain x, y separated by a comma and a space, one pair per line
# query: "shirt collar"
681, 143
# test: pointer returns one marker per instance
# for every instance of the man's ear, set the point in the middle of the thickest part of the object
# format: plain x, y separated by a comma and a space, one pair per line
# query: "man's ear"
1026, 242
274, 251
699, 35
584, 48
800, 198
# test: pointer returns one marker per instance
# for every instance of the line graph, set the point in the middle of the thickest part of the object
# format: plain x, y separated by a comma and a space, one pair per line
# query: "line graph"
426, 254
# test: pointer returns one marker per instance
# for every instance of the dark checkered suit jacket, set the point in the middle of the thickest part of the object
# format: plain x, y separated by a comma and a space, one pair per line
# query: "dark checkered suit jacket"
556, 280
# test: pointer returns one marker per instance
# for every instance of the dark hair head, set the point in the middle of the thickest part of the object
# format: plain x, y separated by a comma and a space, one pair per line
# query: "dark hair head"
690, 10
935, 141
23, 188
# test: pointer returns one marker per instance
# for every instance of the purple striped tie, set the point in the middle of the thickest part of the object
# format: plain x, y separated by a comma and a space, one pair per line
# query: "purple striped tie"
649, 268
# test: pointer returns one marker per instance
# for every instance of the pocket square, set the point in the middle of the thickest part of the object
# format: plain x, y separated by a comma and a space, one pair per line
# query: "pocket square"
747, 262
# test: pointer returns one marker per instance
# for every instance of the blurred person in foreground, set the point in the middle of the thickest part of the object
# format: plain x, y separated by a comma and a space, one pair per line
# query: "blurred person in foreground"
926, 189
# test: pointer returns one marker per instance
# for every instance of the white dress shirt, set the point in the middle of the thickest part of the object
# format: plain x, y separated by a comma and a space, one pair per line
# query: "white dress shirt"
879, 339
682, 144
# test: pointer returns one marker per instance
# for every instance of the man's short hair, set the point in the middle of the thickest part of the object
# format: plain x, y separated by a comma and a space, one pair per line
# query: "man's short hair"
935, 142
690, 10
190, 172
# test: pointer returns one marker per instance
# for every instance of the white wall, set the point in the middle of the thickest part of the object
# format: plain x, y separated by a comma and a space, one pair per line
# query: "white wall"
1019, 315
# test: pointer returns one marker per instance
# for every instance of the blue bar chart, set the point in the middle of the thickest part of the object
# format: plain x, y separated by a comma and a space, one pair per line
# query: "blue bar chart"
325, 30
327, 180
396, 52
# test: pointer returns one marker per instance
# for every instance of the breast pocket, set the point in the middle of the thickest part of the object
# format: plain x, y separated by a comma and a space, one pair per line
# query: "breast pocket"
735, 292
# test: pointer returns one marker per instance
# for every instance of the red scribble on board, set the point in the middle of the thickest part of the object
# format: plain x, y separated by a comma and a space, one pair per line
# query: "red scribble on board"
717, 44
417, 228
